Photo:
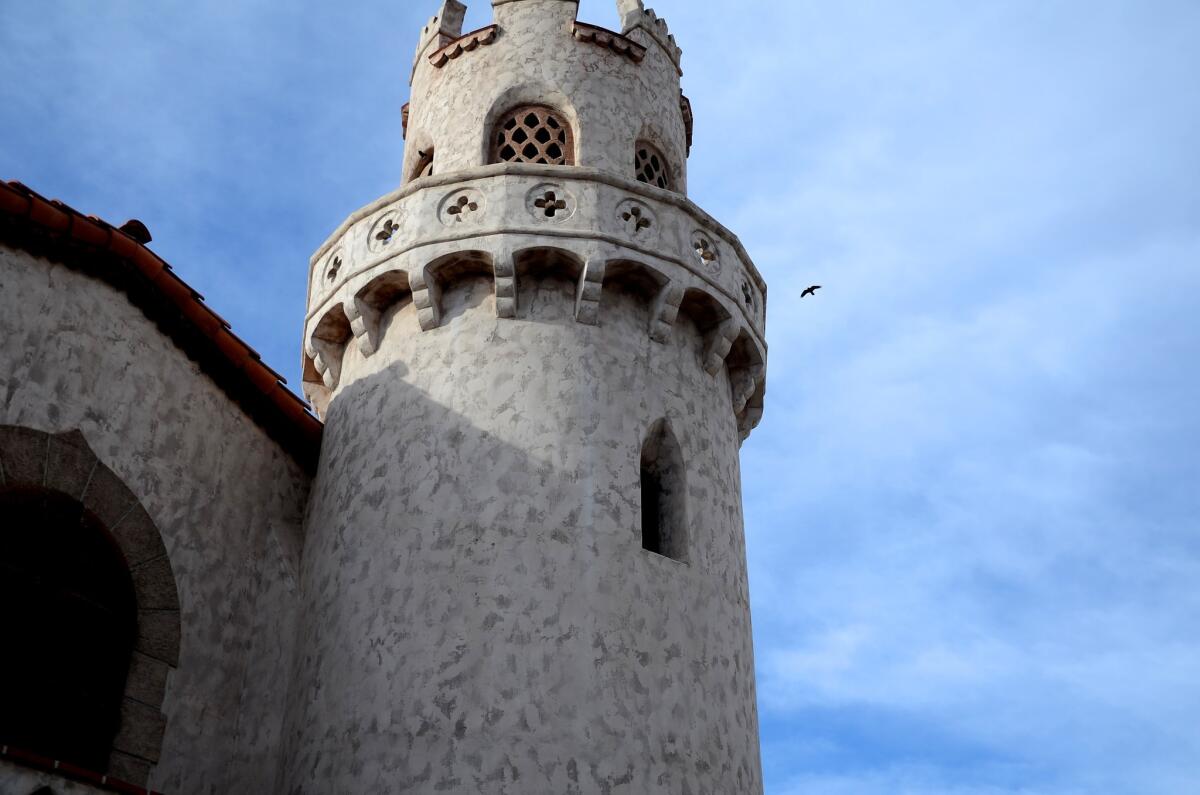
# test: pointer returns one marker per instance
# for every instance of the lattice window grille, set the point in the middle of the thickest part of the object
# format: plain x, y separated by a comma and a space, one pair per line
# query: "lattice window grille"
533, 135
651, 166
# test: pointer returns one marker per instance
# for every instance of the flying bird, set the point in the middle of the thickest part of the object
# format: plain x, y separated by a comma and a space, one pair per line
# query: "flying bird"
810, 291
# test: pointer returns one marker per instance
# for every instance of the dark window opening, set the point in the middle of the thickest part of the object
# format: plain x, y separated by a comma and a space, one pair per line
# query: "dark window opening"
664, 502
70, 626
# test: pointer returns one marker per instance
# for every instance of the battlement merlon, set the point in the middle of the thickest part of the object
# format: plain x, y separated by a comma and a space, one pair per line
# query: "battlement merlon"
443, 28
636, 17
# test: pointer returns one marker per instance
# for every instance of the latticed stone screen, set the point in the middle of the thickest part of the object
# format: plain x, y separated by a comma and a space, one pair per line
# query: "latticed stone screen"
651, 167
533, 134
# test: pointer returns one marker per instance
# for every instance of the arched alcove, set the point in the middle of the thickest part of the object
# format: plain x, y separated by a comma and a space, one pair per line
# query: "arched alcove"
71, 624
543, 98
664, 494
92, 609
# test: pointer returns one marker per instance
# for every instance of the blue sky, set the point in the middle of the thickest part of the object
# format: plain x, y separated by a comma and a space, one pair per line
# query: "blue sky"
972, 508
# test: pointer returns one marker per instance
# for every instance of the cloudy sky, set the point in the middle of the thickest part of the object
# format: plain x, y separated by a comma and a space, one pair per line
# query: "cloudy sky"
973, 507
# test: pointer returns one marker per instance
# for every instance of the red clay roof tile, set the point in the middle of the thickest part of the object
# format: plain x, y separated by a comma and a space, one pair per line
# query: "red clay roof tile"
53, 229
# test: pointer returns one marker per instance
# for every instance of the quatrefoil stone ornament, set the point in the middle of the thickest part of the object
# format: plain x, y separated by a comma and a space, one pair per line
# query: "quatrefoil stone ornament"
635, 217
550, 203
335, 265
387, 231
461, 206
706, 252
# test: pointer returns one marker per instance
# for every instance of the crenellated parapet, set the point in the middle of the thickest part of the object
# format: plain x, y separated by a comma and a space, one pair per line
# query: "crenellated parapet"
412, 245
636, 17
615, 91
444, 27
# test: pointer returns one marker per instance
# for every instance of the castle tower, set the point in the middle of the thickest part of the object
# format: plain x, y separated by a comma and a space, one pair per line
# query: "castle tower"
524, 566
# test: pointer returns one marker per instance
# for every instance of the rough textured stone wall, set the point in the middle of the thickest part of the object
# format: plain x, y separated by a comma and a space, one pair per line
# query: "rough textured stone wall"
479, 613
535, 58
75, 354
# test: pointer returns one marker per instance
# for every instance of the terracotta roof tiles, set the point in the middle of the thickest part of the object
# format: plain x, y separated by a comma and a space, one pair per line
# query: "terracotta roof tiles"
119, 256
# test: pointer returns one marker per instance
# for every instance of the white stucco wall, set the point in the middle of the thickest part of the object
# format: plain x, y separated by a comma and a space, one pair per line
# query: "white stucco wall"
610, 101
76, 354
480, 615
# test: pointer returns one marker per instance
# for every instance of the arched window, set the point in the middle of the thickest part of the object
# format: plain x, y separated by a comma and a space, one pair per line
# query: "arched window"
651, 166
424, 166
533, 134
70, 623
664, 494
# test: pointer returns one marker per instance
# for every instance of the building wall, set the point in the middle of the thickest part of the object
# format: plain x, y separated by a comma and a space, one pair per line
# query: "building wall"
611, 101
479, 613
75, 354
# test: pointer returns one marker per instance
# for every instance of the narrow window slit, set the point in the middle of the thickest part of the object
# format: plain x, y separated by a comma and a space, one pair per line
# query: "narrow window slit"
663, 493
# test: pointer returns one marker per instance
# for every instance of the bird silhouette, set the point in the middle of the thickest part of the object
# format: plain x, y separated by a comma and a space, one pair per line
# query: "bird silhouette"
810, 291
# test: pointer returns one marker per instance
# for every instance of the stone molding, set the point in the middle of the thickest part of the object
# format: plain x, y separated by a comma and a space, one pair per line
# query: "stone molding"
66, 464
398, 247
352, 312
402, 202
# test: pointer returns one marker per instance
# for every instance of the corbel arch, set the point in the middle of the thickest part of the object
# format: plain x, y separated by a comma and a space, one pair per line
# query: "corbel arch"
445, 272
372, 302
644, 283
540, 266
60, 472
747, 381
326, 346
714, 323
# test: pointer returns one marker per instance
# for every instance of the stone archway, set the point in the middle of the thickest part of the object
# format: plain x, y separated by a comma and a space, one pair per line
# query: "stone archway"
64, 463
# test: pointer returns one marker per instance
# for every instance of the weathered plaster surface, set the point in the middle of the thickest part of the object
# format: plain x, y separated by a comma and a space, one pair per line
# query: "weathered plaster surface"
610, 100
490, 346
75, 354
479, 614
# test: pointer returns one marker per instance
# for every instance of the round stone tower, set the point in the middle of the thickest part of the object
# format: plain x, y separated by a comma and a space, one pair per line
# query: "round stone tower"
524, 569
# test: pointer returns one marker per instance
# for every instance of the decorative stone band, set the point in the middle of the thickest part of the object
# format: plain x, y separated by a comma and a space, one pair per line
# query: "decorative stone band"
64, 463
596, 202
405, 246
602, 37
467, 43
